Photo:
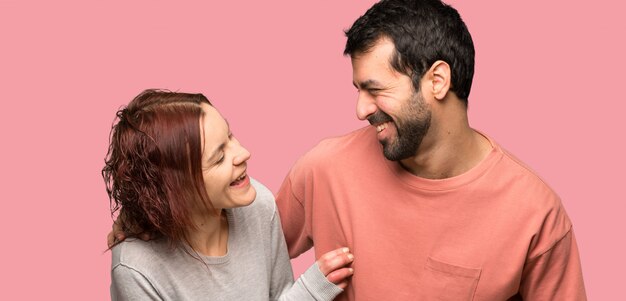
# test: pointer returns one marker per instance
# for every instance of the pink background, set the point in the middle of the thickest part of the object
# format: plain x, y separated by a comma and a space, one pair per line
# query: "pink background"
549, 87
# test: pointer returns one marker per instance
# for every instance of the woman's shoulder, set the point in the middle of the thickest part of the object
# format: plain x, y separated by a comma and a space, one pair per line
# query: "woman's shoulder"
264, 205
138, 254
263, 195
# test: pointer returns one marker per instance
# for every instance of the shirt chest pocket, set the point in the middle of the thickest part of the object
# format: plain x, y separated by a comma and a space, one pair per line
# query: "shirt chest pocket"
444, 281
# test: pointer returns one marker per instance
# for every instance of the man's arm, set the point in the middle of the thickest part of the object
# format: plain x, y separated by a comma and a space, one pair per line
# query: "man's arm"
324, 280
554, 274
293, 216
118, 235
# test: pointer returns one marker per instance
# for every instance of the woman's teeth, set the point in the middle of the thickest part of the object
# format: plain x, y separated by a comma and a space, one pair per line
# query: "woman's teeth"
238, 180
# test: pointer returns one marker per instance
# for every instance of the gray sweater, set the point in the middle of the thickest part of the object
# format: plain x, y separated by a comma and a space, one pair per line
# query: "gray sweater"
256, 266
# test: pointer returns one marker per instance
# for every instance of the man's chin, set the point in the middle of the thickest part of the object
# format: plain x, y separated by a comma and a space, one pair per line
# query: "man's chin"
392, 153
389, 153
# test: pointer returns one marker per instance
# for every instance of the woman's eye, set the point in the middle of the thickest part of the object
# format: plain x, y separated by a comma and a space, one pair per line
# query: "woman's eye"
221, 159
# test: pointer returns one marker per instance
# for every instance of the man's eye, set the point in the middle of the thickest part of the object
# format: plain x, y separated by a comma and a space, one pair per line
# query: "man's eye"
373, 91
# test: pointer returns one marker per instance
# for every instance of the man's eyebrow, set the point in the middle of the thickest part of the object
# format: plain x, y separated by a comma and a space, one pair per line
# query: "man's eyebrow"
367, 84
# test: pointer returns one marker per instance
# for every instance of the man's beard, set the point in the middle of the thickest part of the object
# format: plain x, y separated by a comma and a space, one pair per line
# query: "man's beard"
411, 127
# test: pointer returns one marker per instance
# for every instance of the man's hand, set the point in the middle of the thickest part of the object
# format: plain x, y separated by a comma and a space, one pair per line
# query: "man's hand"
334, 265
117, 233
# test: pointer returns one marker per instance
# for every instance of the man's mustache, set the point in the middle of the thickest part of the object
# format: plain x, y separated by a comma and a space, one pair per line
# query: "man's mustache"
379, 117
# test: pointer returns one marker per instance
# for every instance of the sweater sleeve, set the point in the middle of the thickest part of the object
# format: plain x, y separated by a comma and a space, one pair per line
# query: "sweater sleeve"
312, 285
290, 201
555, 274
129, 284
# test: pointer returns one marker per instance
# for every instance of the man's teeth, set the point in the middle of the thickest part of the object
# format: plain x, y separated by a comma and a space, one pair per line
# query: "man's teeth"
381, 127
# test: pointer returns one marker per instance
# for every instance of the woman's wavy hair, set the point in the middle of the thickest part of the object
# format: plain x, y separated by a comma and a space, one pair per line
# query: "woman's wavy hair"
153, 170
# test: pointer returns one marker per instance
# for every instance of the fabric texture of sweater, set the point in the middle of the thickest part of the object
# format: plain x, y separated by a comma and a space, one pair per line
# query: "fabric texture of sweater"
256, 266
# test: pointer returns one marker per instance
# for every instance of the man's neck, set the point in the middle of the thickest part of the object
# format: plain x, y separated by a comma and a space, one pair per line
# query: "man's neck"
447, 151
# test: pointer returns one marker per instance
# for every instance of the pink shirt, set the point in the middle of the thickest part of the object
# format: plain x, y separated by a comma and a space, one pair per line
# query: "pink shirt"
497, 232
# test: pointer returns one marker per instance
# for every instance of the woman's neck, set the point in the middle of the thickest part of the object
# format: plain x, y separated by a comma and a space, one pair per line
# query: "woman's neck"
210, 237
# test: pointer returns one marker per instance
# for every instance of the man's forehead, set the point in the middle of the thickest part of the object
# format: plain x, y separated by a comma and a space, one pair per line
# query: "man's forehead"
373, 71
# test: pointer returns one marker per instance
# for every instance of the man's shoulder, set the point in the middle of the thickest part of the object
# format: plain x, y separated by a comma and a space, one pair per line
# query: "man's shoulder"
341, 147
543, 205
523, 174
532, 193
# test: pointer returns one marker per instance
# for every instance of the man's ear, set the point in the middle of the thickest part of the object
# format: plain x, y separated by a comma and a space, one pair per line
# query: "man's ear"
440, 79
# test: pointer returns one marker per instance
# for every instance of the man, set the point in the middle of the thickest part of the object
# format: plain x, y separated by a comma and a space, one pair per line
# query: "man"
432, 209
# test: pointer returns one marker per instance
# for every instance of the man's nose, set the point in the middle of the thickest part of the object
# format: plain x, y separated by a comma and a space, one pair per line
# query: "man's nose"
365, 105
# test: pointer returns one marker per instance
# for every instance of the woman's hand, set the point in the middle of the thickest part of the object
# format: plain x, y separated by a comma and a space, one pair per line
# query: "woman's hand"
335, 266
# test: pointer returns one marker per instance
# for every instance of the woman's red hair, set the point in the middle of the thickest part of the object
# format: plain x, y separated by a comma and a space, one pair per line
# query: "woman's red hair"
153, 170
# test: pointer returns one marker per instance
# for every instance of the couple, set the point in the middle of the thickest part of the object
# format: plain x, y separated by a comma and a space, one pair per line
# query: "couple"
430, 208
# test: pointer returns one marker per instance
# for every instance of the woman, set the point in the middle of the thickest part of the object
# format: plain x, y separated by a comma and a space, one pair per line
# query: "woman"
175, 169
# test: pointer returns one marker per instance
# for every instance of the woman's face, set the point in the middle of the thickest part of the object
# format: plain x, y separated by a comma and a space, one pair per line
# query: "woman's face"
223, 163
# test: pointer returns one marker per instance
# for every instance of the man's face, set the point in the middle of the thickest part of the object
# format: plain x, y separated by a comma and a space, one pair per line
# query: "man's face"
389, 102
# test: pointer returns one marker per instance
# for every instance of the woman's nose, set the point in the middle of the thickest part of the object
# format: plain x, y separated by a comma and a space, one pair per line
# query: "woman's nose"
242, 155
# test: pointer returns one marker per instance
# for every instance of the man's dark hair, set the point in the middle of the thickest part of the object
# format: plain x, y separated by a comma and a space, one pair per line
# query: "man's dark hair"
423, 31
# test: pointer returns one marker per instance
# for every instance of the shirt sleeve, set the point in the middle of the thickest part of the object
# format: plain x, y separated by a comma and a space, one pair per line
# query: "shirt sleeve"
129, 284
290, 201
312, 285
555, 274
